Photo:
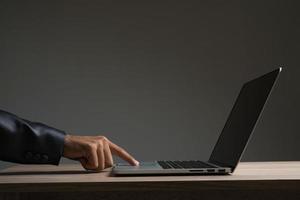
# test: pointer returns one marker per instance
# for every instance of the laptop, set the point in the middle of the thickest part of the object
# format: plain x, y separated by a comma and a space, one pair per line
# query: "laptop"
231, 143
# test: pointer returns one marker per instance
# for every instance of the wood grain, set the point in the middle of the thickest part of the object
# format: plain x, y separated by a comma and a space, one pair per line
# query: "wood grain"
276, 180
67, 177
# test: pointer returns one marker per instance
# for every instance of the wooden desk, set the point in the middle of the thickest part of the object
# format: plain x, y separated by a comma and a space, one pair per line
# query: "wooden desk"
255, 180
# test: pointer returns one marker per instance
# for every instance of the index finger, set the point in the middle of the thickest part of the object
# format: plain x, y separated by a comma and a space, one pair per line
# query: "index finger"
115, 149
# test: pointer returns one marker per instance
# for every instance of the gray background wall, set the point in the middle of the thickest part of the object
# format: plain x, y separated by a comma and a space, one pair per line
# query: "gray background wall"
157, 77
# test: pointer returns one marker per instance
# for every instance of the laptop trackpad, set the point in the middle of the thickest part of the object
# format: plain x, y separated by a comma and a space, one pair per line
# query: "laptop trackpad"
143, 165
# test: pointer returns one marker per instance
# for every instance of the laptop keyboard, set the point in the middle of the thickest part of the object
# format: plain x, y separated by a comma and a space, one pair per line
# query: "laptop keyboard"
184, 164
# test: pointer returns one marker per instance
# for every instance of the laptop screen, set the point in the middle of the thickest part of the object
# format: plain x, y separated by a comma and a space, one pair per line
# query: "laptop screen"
242, 119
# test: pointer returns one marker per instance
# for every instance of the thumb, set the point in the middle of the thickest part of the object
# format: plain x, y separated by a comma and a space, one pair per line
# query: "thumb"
83, 162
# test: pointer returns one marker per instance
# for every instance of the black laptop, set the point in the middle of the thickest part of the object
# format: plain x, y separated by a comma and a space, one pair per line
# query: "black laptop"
232, 140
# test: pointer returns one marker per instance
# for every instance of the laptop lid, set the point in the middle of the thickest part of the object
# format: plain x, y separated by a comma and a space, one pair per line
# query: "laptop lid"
242, 120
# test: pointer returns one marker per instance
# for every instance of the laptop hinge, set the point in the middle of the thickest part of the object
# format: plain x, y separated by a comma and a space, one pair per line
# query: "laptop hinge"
220, 164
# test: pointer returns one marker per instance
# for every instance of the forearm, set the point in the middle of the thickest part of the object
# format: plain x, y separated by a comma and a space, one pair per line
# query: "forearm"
27, 142
23, 141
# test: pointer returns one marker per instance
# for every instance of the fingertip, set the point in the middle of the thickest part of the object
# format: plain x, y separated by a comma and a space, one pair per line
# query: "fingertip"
136, 163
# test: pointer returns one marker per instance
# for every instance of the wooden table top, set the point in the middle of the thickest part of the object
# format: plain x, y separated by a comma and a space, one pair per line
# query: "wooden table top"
73, 176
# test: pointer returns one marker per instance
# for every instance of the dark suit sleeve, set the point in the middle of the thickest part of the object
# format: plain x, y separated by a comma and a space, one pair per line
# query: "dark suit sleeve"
27, 142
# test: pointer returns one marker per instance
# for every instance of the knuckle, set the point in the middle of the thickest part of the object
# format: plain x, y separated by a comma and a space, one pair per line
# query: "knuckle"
105, 138
100, 144
102, 138
91, 146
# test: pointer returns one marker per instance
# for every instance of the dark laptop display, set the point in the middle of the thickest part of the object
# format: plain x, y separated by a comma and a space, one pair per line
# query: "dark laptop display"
242, 119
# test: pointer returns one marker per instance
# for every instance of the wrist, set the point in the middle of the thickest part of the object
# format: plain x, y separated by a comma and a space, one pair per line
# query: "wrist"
67, 142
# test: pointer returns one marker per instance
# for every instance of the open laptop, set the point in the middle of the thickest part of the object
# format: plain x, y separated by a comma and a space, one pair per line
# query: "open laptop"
232, 140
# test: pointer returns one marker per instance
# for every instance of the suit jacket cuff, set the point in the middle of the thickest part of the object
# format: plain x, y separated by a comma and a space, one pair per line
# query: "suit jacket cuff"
46, 144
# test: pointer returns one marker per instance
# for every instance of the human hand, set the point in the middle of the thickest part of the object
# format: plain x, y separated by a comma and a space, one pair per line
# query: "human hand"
94, 152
